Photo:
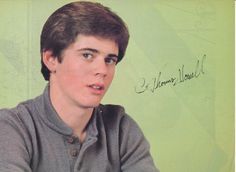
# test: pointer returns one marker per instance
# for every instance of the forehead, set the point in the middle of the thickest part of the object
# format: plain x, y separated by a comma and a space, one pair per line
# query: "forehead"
94, 42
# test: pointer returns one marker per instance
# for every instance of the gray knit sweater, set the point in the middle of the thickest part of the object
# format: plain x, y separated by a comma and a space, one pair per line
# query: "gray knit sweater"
34, 139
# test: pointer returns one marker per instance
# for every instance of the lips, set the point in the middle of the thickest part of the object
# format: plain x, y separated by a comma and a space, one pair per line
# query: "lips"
97, 88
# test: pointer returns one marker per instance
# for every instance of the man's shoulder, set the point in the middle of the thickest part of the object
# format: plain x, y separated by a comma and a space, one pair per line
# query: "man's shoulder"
20, 113
7, 113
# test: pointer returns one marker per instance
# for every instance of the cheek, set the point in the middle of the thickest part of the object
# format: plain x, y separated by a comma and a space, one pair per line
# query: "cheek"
73, 69
111, 76
72, 74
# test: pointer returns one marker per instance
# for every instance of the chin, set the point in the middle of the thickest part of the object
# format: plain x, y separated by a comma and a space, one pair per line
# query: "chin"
90, 104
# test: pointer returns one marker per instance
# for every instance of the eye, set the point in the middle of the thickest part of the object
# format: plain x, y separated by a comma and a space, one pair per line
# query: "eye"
111, 60
87, 56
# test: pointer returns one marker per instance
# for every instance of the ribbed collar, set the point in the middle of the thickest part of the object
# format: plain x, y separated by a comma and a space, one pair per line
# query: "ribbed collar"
50, 117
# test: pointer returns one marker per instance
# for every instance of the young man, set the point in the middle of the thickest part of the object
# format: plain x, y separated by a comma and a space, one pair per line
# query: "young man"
66, 128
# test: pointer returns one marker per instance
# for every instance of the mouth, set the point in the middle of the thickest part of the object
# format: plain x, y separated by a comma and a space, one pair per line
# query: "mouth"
97, 88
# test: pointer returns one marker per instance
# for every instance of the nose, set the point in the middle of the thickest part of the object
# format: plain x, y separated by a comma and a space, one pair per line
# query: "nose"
101, 68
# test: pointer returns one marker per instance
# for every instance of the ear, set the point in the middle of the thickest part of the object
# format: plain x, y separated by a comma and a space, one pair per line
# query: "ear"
50, 61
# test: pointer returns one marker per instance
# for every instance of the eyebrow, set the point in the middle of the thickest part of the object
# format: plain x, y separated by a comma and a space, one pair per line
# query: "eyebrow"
96, 51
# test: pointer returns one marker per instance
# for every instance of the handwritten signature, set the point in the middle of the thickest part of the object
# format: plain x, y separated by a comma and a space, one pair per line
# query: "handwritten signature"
157, 82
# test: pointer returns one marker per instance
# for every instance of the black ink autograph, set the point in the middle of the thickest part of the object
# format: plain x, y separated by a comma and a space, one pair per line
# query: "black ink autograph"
157, 82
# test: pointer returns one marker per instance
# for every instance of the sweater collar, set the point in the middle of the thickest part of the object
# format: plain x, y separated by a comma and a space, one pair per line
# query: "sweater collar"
50, 117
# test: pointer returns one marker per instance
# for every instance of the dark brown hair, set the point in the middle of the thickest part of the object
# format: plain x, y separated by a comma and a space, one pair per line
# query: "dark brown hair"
83, 17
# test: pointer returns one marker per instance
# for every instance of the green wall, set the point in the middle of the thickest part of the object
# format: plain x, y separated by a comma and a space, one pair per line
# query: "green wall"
176, 81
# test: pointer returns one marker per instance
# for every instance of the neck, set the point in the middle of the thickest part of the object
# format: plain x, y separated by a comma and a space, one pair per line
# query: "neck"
75, 116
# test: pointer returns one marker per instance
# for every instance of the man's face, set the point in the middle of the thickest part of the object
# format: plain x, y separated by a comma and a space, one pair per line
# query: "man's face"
86, 71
